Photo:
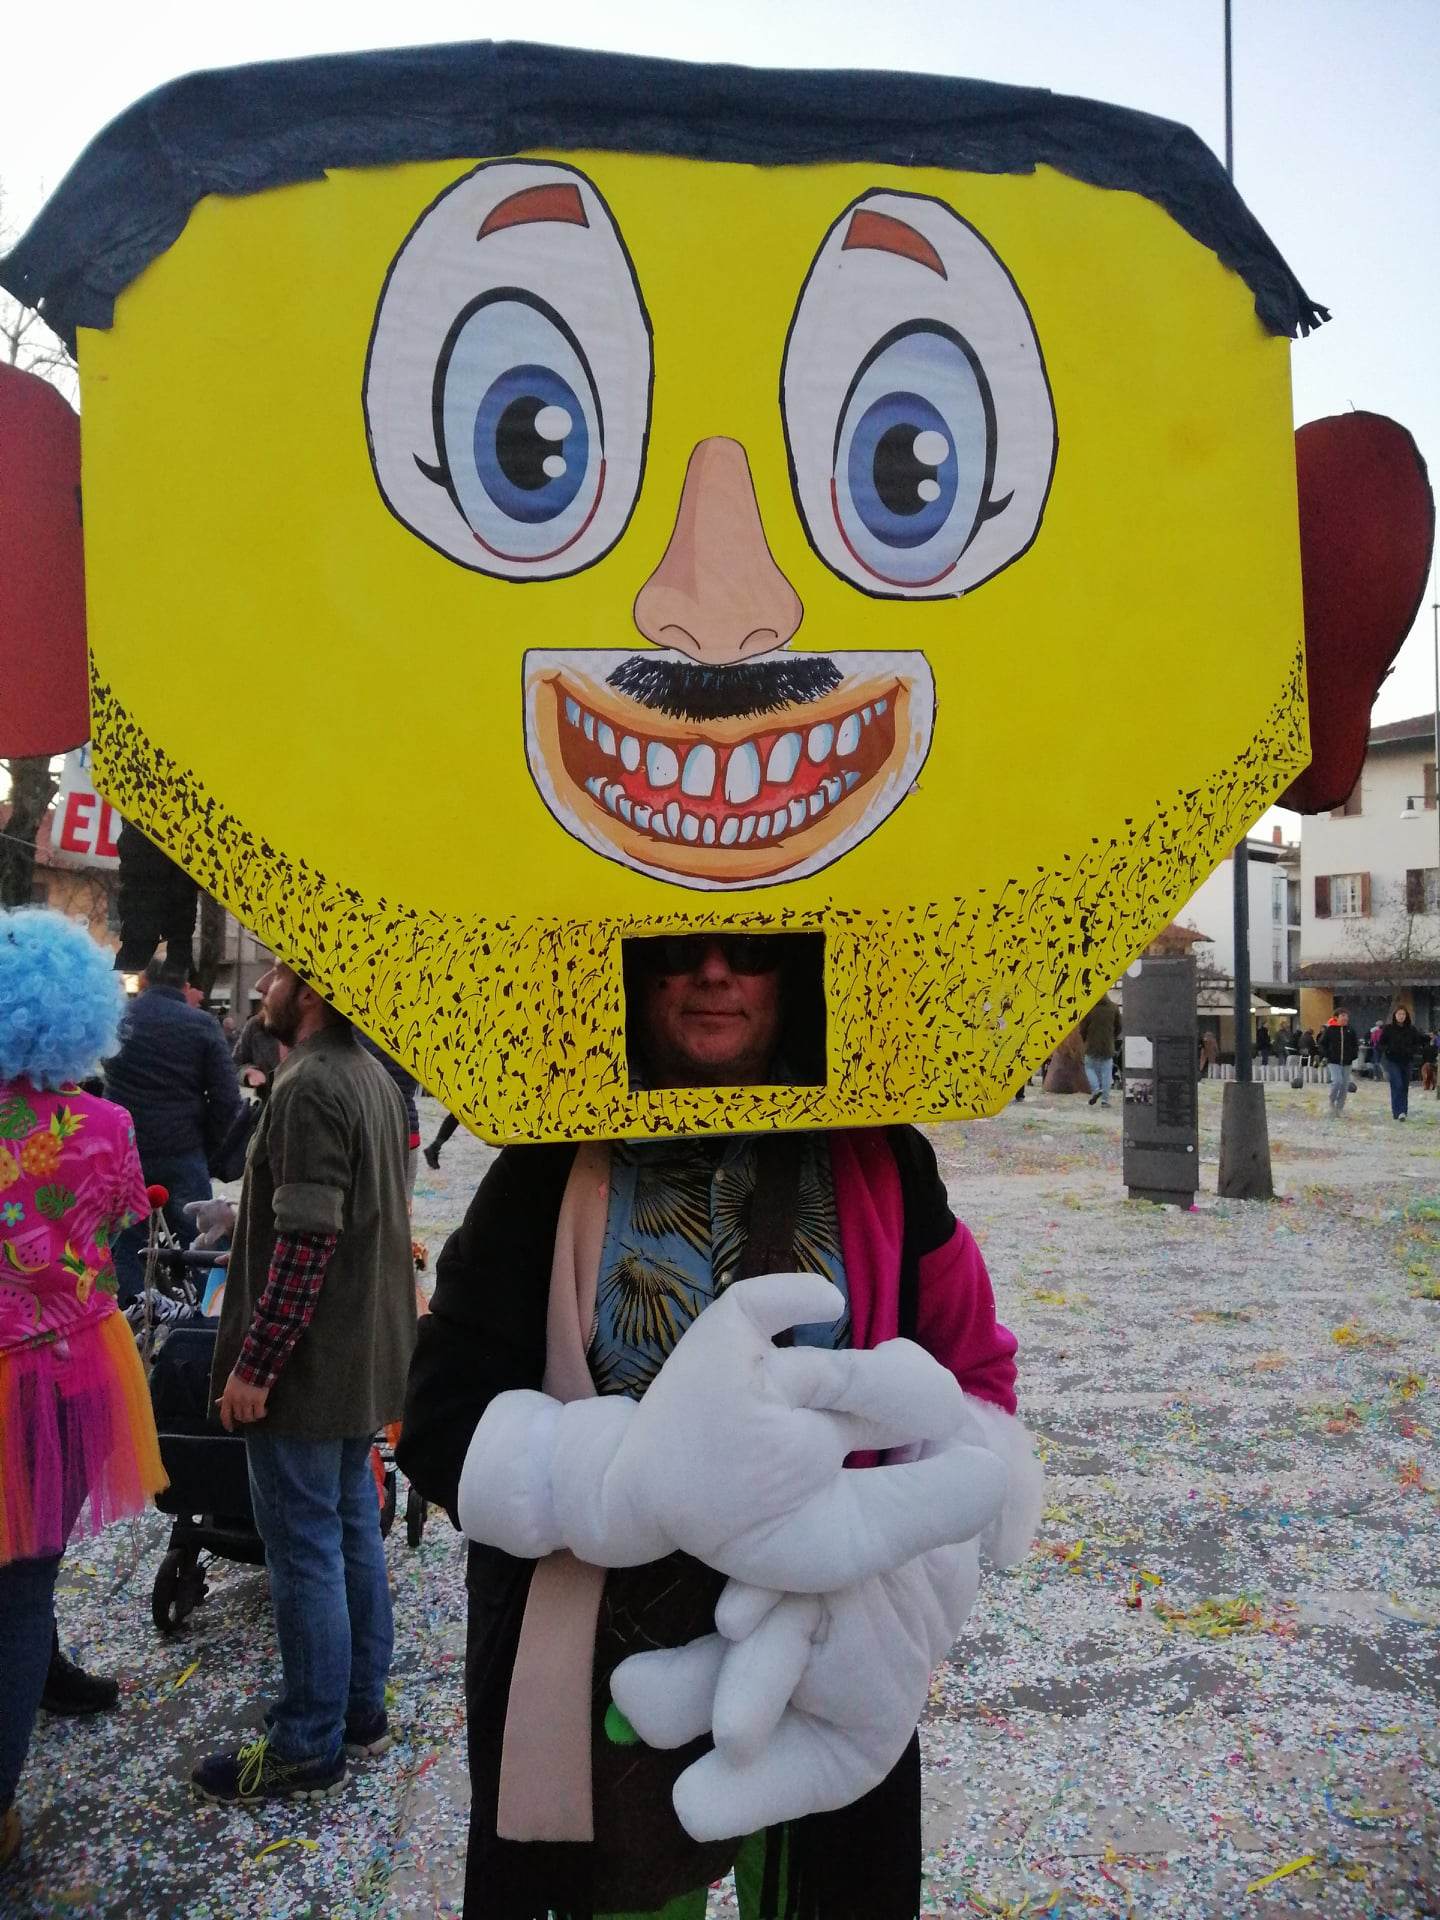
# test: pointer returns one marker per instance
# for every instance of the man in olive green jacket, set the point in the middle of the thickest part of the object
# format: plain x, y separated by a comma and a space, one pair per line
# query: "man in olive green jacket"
312, 1354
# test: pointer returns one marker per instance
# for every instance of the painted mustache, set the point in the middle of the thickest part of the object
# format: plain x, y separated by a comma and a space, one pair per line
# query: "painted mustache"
689, 690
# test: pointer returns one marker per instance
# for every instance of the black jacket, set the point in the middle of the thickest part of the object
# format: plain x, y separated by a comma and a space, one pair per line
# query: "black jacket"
484, 1334
1402, 1042
1339, 1045
174, 1077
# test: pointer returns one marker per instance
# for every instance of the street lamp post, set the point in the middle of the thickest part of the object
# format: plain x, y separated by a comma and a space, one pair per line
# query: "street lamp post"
1244, 1136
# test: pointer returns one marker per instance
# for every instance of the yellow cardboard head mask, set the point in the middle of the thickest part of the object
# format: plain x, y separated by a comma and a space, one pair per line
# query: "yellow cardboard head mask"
601, 541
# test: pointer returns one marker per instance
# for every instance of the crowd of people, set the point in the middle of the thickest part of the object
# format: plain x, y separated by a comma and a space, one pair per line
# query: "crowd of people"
520, 1403
512, 1414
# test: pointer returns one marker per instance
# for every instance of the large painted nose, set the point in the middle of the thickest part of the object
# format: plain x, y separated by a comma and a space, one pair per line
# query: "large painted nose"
717, 593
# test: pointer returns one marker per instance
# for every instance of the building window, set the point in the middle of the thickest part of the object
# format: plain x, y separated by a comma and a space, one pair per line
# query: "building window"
1422, 889
1352, 804
1342, 896
1277, 900
1428, 774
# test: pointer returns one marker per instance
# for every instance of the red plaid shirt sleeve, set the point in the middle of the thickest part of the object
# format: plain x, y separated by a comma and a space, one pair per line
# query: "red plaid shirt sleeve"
292, 1288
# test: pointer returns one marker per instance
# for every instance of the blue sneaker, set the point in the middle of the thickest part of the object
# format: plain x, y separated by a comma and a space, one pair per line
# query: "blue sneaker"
366, 1734
254, 1774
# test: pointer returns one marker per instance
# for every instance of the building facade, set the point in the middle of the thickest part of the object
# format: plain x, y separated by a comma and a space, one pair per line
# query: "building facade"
1274, 870
1370, 887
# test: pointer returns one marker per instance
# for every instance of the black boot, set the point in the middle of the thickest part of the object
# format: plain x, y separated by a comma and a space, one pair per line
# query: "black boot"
69, 1689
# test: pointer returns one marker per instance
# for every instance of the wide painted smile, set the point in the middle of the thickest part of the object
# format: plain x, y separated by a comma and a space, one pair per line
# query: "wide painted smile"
746, 799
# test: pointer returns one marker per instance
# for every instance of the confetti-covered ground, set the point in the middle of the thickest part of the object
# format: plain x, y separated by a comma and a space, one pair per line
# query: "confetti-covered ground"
1212, 1690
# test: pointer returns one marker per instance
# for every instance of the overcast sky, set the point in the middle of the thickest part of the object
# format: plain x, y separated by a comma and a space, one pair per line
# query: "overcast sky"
1337, 126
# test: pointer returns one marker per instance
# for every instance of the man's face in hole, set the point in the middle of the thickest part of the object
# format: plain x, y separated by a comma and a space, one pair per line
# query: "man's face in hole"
710, 1024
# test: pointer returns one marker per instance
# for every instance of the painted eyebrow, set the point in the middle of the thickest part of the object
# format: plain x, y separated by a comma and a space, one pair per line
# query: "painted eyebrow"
556, 200
883, 233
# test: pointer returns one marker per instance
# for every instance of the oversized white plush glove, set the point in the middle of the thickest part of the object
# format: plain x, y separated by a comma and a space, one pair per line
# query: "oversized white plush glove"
214, 1221
736, 1455
811, 1698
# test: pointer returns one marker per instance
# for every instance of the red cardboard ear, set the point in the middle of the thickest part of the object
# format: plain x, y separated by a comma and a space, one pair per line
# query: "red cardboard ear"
1367, 527
44, 705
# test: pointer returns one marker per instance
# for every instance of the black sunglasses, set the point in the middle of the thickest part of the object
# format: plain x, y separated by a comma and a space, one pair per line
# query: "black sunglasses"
686, 952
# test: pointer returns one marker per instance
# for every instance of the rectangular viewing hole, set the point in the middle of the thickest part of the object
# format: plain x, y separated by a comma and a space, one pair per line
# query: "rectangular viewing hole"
725, 1009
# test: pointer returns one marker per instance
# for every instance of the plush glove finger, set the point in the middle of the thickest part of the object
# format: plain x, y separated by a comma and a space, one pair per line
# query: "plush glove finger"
890, 1396
758, 1676
868, 1520
741, 1608
669, 1696
1010, 1534
804, 1768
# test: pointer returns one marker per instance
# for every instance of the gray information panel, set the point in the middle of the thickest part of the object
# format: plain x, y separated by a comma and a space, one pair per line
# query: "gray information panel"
1162, 1115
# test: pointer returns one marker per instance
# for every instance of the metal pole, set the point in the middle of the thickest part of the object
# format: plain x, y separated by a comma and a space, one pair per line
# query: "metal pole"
1229, 100
1240, 861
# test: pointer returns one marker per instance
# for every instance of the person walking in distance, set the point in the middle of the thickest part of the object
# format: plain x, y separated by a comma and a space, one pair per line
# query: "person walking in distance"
1401, 1044
1338, 1048
311, 1358
1100, 1030
174, 1077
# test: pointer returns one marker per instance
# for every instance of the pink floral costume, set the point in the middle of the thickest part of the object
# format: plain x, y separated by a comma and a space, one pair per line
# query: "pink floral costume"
76, 1431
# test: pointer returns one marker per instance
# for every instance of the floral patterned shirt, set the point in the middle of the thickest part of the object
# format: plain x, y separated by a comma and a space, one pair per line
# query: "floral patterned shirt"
70, 1181
675, 1230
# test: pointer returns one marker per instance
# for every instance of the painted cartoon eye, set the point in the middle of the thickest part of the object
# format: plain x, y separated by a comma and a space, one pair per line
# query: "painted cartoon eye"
914, 452
521, 429
507, 389
917, 410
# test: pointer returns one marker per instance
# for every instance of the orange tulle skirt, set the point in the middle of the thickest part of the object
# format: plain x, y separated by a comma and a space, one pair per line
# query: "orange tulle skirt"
77, 1439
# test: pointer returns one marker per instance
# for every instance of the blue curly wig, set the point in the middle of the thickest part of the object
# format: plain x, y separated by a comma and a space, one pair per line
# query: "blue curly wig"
60, 1000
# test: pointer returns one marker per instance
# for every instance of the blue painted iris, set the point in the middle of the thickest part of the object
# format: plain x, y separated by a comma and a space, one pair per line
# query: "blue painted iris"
914, 454
520, 426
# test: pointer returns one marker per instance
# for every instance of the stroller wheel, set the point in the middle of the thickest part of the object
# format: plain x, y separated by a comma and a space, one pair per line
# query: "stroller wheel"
179, 1588
387, 1504
416, 1509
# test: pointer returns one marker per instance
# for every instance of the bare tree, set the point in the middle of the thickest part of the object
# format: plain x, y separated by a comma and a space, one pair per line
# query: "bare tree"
1397, 944
25, 340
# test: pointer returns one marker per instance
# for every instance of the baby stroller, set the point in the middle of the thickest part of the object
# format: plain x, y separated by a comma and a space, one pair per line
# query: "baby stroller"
209, 1492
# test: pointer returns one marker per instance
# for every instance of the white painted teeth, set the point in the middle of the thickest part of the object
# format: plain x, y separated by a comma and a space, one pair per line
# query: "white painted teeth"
697, 766
784, 758
662, 769
698, 779
742, 774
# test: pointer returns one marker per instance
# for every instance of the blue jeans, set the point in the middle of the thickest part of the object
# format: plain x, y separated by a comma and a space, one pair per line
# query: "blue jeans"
188, 1178
319, 1516
1101, 1075
1398, 1074
1339, 1086
27, 1626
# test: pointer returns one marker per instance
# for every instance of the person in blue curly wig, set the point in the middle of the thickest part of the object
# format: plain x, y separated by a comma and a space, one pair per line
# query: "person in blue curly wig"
77, 1437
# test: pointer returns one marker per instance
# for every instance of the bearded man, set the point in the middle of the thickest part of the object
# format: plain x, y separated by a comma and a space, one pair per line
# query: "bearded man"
315, 1337
645, 1438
